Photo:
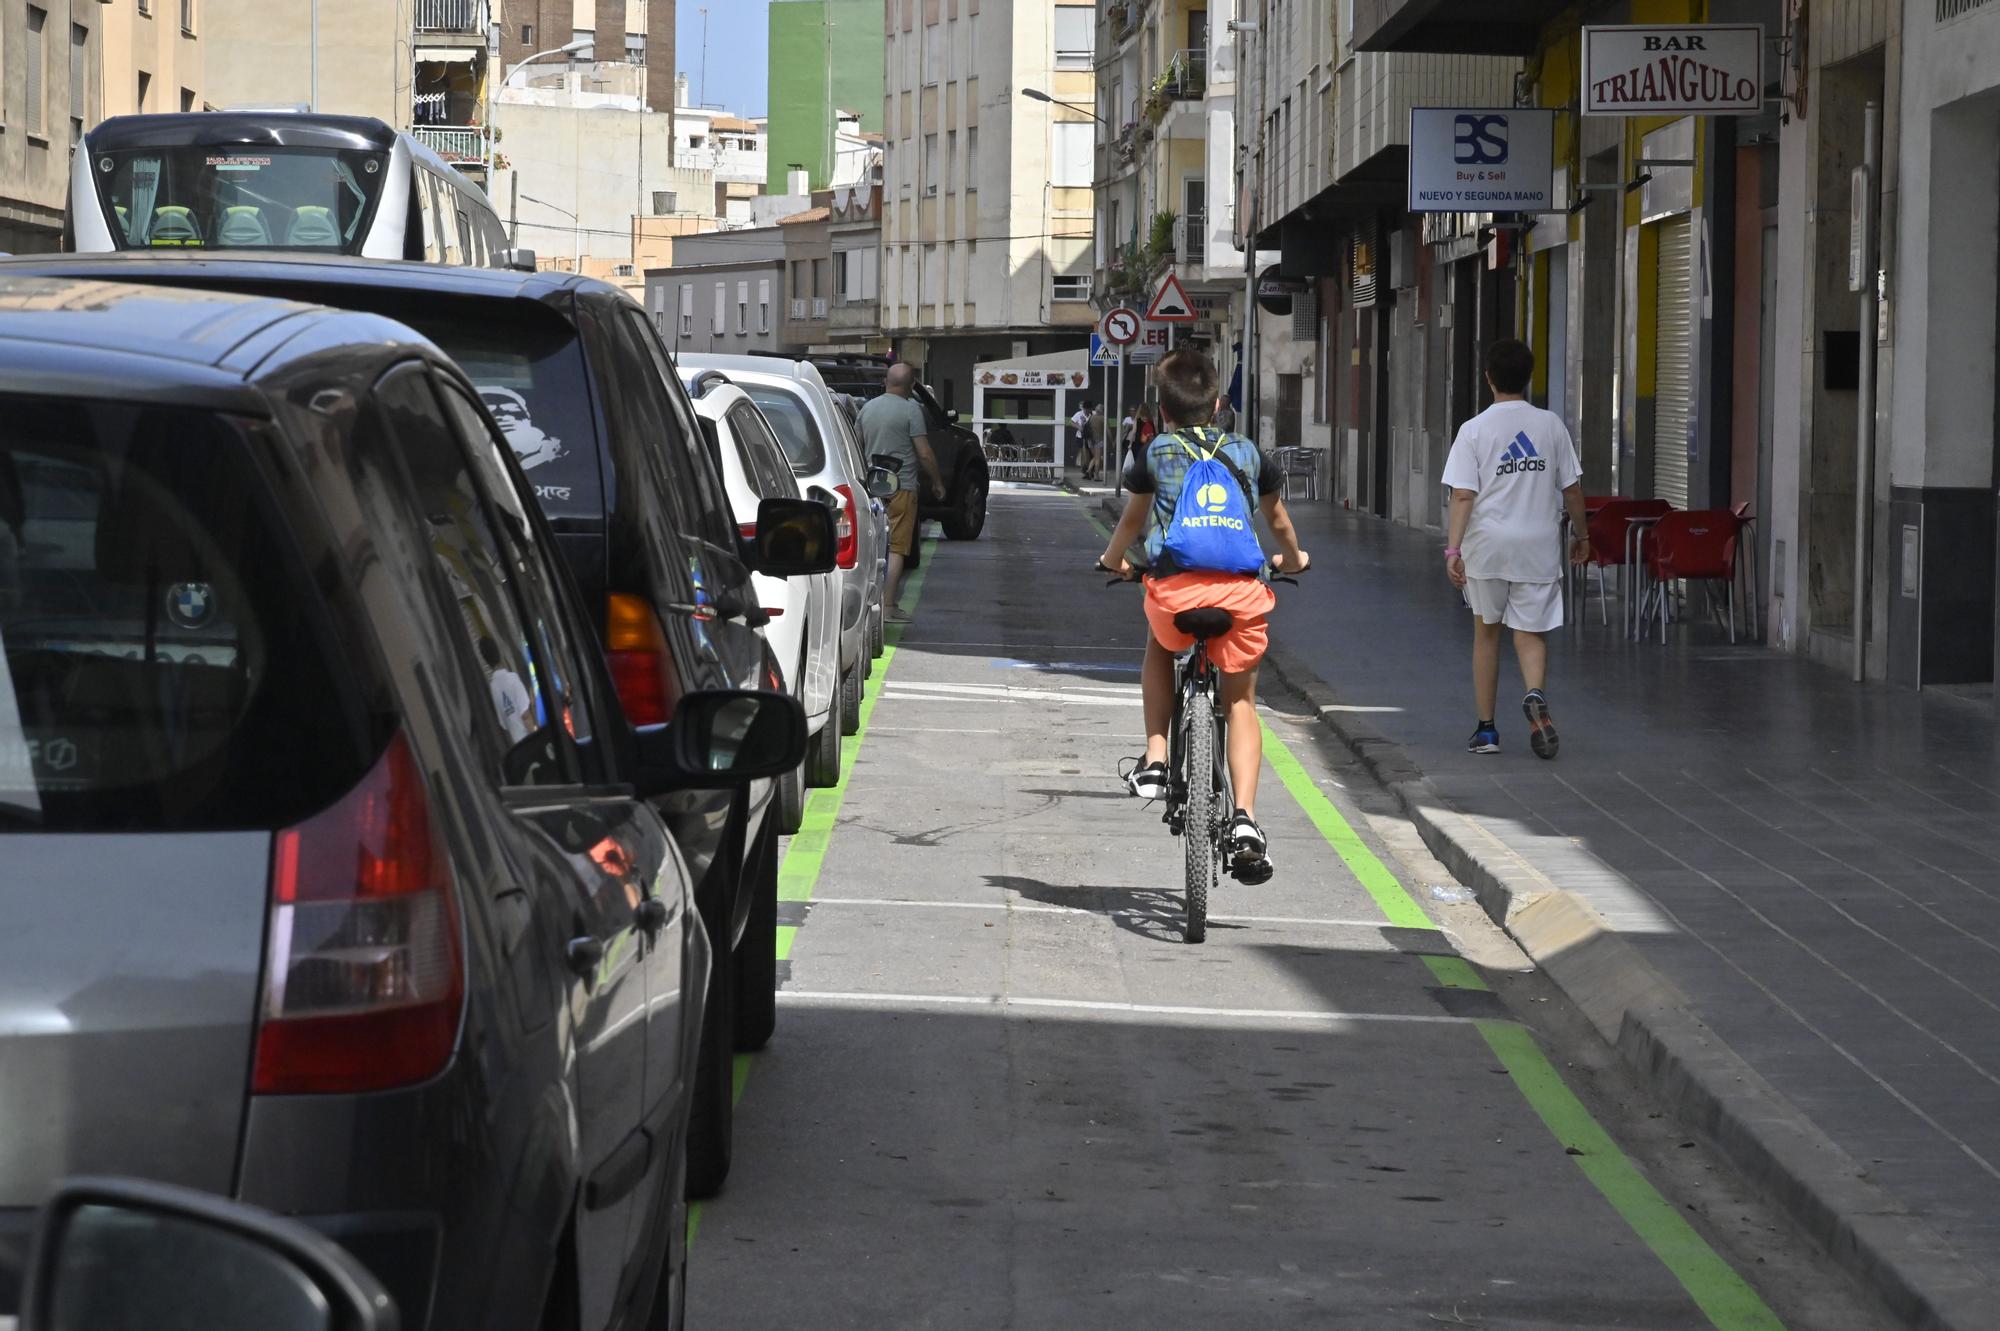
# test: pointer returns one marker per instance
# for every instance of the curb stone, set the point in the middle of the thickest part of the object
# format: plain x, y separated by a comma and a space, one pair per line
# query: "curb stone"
1638, 1011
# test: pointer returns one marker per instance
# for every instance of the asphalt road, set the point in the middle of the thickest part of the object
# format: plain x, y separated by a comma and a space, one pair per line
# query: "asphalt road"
1004, 1093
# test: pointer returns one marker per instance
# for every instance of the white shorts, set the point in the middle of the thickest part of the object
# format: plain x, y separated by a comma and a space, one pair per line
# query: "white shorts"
1532, 607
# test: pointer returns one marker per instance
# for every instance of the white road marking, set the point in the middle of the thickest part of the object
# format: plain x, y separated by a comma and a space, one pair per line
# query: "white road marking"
885, 902
810, 997
1018, 647
906, 693
936, 730
969, 690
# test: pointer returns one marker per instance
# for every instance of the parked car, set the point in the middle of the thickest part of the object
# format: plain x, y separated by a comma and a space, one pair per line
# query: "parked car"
810, 426
878, 515
300, 696
961, 510
804, 631
589, 403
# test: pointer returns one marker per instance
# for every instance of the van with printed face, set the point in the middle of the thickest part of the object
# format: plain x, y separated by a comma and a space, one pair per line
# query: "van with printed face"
578, 380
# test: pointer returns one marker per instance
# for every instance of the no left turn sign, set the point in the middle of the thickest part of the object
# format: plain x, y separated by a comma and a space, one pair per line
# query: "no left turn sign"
1121, 326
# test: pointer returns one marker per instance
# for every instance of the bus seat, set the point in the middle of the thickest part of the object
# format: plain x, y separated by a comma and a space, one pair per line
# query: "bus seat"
313, 225
243, 225
174, 225
124, 221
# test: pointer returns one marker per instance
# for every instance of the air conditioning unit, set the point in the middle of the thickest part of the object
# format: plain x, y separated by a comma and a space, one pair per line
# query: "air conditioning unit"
930, 189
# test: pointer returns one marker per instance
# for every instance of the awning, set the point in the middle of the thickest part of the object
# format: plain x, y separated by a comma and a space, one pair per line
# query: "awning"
438, 55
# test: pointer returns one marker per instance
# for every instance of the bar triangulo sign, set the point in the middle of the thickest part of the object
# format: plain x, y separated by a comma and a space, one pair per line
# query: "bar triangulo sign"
1684, 69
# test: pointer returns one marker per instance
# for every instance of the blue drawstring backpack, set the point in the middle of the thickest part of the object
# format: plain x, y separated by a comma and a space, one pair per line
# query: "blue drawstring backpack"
1211, 531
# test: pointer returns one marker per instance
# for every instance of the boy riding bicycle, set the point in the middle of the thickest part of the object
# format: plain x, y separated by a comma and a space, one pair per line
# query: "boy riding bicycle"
1207, 557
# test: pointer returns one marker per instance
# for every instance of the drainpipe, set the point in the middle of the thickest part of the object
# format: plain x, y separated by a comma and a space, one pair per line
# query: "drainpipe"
1864, 452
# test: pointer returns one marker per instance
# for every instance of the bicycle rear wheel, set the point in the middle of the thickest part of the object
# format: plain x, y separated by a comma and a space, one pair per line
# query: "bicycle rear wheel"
1198, 832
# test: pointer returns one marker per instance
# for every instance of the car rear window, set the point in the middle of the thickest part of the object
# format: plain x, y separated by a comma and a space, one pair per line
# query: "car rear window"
168, 661
529, 370
794, 425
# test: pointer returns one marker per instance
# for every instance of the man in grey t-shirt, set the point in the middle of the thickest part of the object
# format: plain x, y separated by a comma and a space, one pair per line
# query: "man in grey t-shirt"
893, 427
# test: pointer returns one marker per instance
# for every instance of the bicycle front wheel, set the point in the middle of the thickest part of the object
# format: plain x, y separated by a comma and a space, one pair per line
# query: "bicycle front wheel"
1203, 812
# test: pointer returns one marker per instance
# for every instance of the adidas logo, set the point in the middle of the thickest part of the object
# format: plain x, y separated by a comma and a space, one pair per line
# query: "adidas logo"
1521, 456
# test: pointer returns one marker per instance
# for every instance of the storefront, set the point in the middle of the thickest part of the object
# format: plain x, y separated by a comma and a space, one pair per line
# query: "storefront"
1021, 410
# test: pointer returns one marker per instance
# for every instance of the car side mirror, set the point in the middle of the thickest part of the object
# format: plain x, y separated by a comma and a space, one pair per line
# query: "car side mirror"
521, 261
125, 1255
721, 738
882, 483
795, 537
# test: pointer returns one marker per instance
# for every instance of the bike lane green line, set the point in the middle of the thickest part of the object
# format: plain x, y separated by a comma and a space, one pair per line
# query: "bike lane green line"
805, 857
1727, 1300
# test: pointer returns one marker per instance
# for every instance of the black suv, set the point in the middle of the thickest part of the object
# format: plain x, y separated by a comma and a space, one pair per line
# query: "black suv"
961, 460
578, 381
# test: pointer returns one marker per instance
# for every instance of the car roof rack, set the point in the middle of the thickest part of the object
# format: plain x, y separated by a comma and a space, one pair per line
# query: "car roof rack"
704, 380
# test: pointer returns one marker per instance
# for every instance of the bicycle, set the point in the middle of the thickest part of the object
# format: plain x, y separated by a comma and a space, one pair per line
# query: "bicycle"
1198, 811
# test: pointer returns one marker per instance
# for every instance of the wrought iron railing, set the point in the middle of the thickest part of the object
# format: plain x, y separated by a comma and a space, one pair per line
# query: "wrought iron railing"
455, 143
451, 15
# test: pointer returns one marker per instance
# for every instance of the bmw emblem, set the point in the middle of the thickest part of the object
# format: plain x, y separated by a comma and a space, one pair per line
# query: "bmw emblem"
191, 604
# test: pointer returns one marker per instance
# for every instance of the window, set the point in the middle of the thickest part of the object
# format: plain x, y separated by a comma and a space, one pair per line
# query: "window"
794, 425
687, 309
1071, 288
527, 34
840, 274
972, 160
37, 72
587, 36
79, 80
933, 53
742, 308
710, 523
763, 304
635, 48
720, 323
187, 100
480, 573
187, 17
798, 268
192, 674
950, 156
145, 88
145, 8
1076, 36
819, 278
930, 163
1071, 159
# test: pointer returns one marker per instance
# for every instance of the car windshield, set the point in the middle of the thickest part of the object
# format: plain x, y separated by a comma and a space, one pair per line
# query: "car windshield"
240, 197
169, 661
795, 427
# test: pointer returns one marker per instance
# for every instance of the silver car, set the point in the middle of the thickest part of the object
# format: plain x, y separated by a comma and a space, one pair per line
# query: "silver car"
825, 452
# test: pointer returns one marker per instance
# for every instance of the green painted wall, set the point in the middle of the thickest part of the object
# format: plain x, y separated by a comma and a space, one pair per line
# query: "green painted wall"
801, 111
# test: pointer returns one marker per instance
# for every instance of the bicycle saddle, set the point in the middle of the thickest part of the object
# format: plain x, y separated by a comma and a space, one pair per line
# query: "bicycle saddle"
1204, 622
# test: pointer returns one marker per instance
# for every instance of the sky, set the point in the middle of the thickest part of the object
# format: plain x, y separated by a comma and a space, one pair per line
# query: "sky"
737, 46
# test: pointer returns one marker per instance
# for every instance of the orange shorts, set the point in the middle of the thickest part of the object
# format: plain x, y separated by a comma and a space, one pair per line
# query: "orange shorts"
1248, 599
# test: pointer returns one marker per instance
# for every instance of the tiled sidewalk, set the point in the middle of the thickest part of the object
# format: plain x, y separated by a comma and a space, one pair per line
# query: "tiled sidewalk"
1814, 864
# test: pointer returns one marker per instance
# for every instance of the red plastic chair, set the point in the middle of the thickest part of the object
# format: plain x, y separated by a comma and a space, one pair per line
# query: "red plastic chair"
1698, 545
1610, 528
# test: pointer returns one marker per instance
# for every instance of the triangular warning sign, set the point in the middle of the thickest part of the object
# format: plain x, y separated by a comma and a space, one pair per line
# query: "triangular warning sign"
1170, 303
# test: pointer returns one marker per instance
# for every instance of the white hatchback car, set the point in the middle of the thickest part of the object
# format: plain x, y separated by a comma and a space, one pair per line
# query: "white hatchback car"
804, 631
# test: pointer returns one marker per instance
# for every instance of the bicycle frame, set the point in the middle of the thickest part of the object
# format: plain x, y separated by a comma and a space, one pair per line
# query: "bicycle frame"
1197, 683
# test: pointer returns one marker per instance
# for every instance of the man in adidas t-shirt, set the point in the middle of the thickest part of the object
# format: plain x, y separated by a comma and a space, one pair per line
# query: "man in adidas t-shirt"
1512, 470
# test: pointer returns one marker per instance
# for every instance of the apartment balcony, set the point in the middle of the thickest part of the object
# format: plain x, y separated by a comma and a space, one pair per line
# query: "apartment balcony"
1191, 240
1453, 27
1174, 105
452, 17
464, 146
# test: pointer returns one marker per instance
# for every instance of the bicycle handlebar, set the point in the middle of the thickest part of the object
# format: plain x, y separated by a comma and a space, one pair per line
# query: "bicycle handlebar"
1117, 577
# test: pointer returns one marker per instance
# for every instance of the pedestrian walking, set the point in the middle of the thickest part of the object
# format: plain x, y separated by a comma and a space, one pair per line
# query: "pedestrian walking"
1512, 470
1225, 417
1128, 436
1079, 423
896, 436
1100, 443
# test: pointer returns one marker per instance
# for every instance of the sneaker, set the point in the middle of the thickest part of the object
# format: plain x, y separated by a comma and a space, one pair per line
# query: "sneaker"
896, 615
1541, 726
1486, 739
1249, 852
1148, 782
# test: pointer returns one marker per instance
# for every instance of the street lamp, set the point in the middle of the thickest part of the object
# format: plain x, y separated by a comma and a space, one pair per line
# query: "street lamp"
1037, 95
575, 222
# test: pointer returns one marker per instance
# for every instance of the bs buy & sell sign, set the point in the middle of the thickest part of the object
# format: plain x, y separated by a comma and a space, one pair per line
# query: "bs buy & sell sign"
1496, 160
1689, 69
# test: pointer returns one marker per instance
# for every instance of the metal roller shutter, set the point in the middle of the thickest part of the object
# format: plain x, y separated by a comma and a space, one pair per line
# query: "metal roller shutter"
1673, 363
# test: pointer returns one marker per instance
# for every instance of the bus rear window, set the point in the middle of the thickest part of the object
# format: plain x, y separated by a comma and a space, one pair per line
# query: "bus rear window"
239, 197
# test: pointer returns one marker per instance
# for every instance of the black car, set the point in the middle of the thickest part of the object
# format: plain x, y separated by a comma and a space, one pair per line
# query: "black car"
578, 380
961, 510
332, 881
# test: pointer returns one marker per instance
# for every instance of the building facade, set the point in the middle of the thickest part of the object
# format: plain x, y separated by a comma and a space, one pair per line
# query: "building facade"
987, 206
826, 62
721, 294
64, 66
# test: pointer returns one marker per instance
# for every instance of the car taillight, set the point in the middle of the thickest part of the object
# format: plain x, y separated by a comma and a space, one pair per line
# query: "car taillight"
365, 981
748, 530
642, 671
848, 552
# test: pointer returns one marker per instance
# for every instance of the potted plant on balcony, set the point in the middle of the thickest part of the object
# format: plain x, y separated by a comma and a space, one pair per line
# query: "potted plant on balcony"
1160, 238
